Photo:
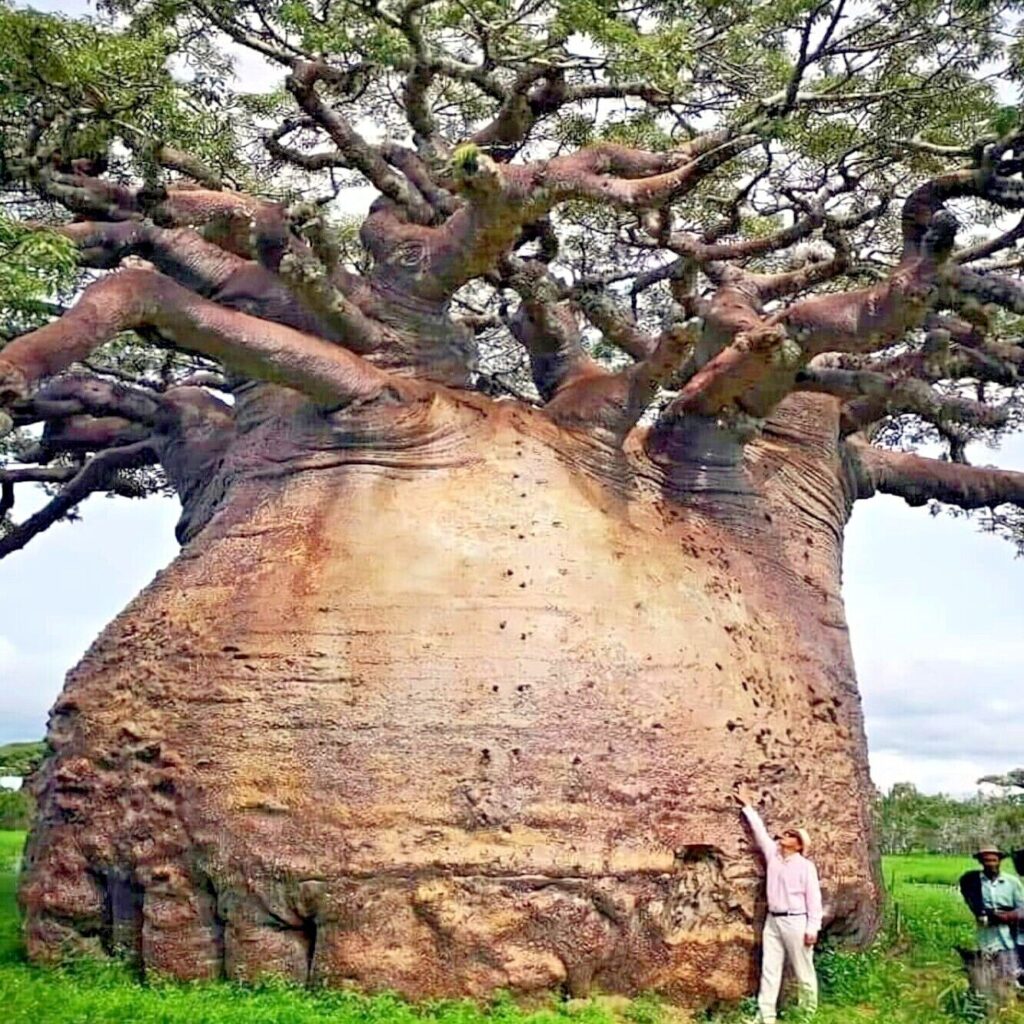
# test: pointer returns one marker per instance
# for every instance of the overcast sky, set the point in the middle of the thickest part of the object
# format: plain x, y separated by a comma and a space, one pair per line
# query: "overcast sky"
936, 612
937, 622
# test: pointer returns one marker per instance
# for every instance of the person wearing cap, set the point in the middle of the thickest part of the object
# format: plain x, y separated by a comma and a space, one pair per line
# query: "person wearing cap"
794, 912
997, 902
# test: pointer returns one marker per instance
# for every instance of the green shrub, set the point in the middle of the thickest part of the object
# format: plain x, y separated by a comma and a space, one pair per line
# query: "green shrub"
15, 809
22, 758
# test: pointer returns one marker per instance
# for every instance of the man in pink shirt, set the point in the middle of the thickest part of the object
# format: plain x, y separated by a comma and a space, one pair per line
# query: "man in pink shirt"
794, 912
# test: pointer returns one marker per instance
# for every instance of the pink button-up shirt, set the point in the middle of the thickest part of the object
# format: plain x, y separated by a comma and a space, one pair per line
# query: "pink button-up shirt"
792, 883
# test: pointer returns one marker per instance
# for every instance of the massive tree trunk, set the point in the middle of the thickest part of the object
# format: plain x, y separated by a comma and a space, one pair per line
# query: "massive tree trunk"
445, 698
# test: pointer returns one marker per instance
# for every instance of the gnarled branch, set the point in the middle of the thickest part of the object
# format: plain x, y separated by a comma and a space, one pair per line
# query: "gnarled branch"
367, 159
96, 475
918, 480
255, 348
871, 396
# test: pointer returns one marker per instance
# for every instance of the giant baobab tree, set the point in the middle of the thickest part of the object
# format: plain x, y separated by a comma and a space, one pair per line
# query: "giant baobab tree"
513, 500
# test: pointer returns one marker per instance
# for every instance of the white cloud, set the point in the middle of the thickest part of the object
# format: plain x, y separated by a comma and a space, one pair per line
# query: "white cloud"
61, 590
955, 776
937, 625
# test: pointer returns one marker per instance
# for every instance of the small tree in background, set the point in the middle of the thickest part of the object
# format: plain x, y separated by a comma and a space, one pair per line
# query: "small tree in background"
21, 759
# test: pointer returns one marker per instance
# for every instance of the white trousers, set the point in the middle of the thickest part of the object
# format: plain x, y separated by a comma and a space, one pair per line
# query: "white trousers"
783, 941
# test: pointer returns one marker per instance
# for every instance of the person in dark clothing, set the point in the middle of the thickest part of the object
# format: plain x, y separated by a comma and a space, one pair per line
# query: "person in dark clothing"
997, 903
1018, 866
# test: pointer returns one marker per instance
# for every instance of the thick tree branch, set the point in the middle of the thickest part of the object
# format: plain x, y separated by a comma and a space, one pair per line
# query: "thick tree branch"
542, 90
965, 353
919, 480
341, 317
76, 394
670, 364
419, 175
362, 156
36, 475
524, 104
994, 288
255, 348
503, 198
420, 76
992, 184
867, 319
748, 362
632, 179
736, 371
871, 396
177, 252
304, 295
77, 435
96, 475
545, 324
615, 323
790, 282
233, 220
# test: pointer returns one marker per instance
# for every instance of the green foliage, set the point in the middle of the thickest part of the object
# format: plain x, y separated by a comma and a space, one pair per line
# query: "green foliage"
466, 159
1005, 120
15, 809
910, 976
36, 268
22, 758
908, 820
80, 85
961, 1004
645, 1009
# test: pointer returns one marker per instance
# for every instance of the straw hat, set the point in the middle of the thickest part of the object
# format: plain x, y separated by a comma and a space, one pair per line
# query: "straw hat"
805, 839
989, 849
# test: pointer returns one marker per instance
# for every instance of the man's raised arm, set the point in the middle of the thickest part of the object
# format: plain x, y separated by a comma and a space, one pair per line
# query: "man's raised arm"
764, 841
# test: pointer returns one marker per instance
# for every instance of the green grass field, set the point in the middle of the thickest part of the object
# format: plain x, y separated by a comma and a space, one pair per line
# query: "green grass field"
911, 976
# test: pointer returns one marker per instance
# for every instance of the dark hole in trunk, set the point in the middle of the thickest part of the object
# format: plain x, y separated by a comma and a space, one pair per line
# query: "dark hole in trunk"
309, 931
209, 914
122, 915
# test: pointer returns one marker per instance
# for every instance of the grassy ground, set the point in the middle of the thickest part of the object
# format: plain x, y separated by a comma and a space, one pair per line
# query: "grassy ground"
911, 976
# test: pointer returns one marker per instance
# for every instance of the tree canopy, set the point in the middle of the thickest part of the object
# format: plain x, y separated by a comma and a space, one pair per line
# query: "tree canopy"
625, 212
908, 821
22, 758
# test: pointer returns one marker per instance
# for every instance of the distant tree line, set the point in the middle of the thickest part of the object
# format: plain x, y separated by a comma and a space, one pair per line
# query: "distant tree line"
22, 758
18, 759
911, 821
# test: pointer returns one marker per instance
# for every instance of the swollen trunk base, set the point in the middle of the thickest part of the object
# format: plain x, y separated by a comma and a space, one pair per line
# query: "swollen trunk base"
454, 717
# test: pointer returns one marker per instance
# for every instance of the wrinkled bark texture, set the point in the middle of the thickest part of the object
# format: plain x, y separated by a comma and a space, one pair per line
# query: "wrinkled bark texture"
441, 697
